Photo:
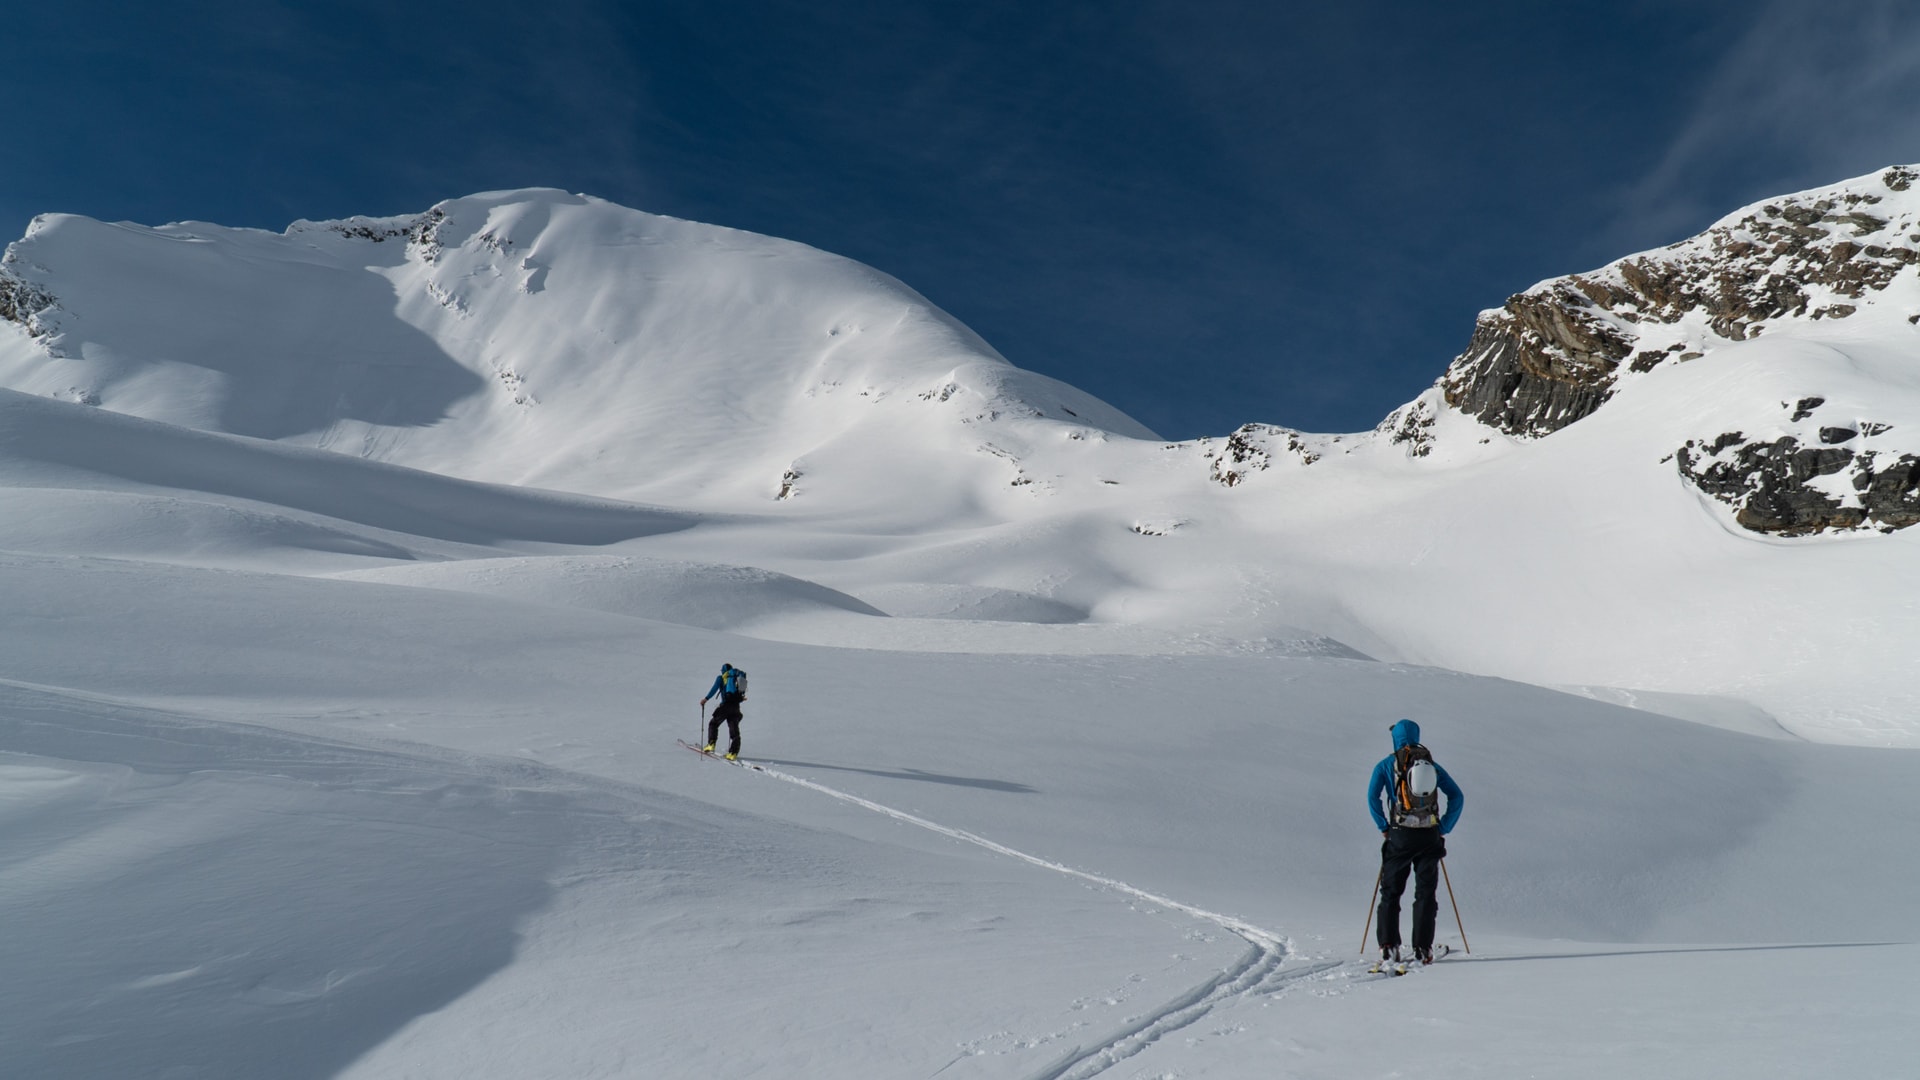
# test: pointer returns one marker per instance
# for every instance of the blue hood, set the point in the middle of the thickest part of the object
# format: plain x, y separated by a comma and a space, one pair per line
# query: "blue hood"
1405, 732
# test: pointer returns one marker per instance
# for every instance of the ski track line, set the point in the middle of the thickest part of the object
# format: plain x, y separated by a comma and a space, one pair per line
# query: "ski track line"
1260, 938
1252, 972
1257, 971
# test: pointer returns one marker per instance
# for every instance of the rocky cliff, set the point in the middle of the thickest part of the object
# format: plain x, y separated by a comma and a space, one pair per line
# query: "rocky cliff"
1557, 352
1553, 354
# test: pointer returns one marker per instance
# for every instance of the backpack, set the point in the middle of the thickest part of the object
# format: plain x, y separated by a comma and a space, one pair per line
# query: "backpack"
737, 682
1416, 788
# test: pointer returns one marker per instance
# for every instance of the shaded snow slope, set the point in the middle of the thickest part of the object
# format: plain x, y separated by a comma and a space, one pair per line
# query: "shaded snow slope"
85, 480
192, 897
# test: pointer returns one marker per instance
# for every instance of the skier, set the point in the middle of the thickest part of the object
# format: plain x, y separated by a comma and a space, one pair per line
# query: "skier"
732, 688
1404, 798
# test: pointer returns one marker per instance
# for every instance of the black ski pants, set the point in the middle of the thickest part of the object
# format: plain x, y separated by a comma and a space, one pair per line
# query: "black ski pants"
728, 710
1415, 851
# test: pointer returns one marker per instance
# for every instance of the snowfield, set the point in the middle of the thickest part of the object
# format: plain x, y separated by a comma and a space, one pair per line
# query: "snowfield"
359, 581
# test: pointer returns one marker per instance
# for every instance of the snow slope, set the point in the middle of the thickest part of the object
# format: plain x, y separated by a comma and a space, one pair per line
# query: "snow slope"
440, 834
357, 590
528, 337
830, 425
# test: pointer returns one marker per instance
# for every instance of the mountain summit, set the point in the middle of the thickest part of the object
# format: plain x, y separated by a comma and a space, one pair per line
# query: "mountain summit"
527, 337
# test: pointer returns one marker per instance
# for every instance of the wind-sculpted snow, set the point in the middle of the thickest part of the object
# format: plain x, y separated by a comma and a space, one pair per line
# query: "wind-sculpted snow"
948, 601
691, 594
54, 445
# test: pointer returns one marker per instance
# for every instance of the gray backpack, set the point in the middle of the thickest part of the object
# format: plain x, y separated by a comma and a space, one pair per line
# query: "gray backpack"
1416, 788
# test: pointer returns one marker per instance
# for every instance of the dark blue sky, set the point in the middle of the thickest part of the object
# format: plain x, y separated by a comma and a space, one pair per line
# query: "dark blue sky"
1206, 213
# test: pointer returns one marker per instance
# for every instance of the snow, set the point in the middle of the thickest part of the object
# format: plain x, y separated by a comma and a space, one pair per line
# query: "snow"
349, 634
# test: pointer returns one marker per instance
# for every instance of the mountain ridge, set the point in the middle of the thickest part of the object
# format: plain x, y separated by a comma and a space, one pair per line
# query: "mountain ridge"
519, 314
1797, 266
811, 422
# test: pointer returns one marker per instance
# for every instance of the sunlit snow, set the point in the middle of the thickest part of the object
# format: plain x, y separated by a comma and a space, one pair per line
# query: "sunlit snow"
360, 580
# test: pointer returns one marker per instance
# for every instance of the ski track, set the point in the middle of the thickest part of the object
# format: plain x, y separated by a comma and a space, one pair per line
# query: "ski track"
1258, 971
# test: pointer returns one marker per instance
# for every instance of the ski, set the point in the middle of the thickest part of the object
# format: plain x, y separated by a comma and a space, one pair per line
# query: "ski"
718, 757
1401, 967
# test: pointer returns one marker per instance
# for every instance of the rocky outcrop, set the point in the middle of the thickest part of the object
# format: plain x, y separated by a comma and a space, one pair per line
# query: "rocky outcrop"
1771, 485
1252, 448
421, 232
23, 303
1796, 485
1411, 425
1553, 354
1558, 352
1543, 361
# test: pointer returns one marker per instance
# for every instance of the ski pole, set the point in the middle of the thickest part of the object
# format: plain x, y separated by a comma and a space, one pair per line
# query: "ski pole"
1456, 906
1376, 895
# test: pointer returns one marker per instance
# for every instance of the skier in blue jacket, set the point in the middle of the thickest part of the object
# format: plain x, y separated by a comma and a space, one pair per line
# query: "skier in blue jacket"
1407, 810
731, 686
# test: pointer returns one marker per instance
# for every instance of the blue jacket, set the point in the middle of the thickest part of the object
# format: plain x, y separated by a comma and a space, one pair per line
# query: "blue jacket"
724, 683
1380, 787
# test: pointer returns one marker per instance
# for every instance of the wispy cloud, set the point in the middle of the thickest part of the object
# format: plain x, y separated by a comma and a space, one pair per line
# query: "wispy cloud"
1806, 94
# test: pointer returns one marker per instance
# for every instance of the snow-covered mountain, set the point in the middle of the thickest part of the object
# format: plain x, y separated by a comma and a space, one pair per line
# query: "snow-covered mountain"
1589, 496
357, 579
528, 337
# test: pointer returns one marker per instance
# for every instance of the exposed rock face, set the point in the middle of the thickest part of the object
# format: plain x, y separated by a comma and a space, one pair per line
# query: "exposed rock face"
1411, 425
22, 302
1558, 352
1538, 364
1771, 485
422, 231
1791, 485
1554, 353
1251, 449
